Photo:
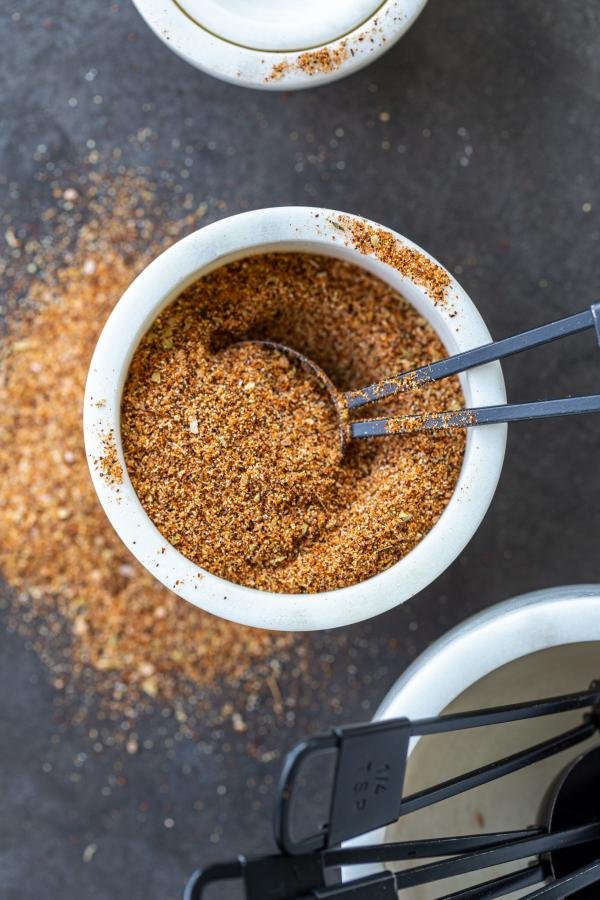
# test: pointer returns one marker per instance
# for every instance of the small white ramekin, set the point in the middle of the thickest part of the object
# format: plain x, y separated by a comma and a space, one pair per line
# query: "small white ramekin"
258, 44
288, 229
541, 644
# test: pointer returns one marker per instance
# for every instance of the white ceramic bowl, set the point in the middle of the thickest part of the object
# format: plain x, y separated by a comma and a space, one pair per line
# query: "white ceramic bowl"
286, 229
537, 645
277, 44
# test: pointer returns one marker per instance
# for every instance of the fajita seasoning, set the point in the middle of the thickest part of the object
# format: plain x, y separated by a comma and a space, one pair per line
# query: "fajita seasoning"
233, 448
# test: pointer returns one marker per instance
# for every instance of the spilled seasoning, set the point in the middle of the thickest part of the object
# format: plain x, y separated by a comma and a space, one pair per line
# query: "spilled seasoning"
312, 62
108, 464
86, 604
331, 57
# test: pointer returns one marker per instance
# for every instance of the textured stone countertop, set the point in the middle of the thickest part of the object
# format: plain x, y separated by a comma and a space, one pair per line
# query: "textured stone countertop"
478, 137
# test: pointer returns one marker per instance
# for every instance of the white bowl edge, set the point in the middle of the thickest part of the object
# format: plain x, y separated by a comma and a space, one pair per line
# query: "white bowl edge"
254, 68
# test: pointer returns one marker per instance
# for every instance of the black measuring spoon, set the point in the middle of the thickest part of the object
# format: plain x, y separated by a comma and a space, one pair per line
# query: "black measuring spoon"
453, 365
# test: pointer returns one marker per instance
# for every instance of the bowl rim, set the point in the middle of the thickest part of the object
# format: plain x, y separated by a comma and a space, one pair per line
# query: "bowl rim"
285, 229
277, 70
483, 643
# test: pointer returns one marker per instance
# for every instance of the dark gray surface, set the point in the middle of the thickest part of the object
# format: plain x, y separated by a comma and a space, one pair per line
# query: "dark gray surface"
517, 82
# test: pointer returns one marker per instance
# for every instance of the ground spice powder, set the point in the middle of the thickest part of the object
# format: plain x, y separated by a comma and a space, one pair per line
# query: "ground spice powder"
233, 449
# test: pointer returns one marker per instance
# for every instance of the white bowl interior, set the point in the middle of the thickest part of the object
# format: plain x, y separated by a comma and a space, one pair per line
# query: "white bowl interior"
280, 24
512, 802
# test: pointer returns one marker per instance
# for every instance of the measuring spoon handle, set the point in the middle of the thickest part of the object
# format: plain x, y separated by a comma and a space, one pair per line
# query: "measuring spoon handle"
467, 418
469, 359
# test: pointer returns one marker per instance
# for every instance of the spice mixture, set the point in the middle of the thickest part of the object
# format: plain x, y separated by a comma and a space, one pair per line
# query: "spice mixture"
233, 448
74, 584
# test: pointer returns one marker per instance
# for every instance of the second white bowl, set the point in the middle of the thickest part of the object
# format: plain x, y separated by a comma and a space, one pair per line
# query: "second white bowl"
279, 45
542, 644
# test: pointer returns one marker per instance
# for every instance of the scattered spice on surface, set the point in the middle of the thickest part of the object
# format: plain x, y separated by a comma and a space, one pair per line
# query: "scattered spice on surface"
87, 606
370, 239
312, 62
257, 491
